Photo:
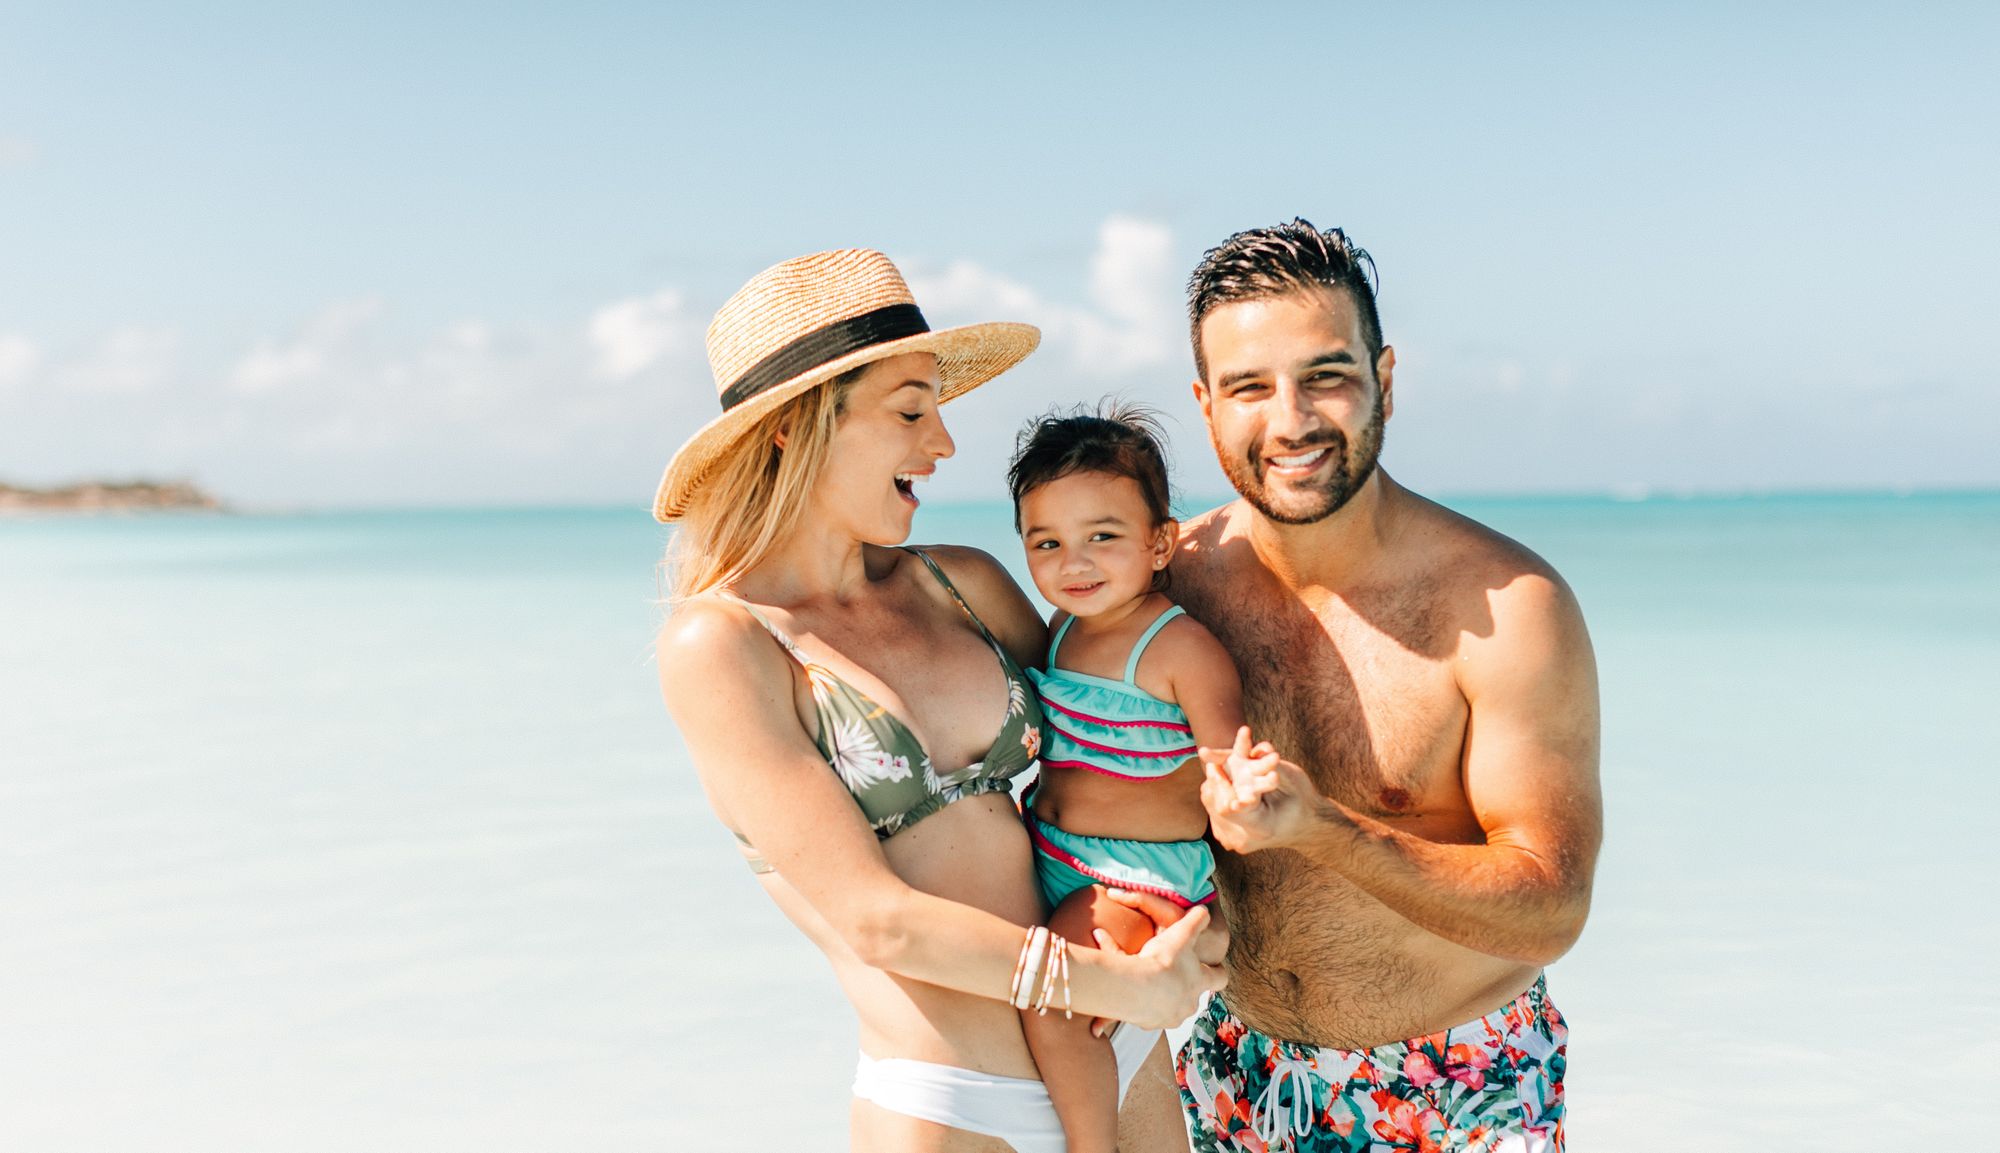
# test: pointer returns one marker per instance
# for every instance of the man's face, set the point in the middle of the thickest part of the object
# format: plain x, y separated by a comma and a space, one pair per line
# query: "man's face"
1293, 406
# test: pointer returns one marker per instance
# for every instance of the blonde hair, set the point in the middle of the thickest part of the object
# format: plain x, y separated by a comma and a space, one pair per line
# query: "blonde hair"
755, 496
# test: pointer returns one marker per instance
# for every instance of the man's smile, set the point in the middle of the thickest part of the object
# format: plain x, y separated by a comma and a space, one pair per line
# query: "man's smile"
1298, 464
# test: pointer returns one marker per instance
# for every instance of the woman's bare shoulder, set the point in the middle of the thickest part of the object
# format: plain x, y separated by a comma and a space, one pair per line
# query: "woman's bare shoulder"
990, 590
714, 638
965, 564
706, 626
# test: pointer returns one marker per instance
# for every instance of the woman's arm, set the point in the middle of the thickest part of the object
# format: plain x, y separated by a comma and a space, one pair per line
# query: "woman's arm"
730, 689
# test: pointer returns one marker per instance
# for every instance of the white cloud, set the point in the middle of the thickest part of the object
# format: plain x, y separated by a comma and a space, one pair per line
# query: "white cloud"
1132, 320
964, 289
19, 358
1132, 284
312, 353
633, 335
132, 359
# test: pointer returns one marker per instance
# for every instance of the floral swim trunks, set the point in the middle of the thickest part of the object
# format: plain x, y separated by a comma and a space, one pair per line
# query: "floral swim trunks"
1490, 1086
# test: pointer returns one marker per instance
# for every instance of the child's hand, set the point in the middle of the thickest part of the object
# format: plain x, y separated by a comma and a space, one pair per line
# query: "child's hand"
1255, 798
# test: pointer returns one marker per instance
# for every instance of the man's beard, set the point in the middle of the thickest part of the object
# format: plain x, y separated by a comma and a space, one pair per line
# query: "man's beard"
1347, 471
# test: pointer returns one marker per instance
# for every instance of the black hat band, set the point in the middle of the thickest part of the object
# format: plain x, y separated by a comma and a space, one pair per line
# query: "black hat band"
823, 346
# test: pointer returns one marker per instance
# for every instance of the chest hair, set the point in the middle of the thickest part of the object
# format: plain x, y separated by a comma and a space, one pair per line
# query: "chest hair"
1337, 688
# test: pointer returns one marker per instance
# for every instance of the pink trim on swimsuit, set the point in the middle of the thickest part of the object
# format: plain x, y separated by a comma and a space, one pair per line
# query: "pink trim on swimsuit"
1095, 747
1049, 704
1056, 851
1088, 767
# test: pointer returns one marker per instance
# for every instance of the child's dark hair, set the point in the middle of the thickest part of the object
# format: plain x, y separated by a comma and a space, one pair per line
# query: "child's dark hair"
1118, 438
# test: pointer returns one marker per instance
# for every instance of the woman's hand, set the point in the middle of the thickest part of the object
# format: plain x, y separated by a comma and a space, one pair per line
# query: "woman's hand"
1255, 798
1211, 943
1187, 948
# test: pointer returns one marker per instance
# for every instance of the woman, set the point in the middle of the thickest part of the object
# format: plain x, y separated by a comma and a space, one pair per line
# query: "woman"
839, 697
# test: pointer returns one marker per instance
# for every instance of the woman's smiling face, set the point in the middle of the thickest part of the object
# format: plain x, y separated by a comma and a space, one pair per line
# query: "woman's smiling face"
889, 439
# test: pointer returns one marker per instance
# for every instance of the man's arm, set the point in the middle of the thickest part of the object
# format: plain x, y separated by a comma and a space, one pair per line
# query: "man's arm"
1530, 770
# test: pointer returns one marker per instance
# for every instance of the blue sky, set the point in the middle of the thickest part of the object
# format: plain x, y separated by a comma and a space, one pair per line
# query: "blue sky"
435, 254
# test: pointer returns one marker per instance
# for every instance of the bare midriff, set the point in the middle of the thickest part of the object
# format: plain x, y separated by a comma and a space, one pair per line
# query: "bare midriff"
1312, 958
975, 852
1095, 805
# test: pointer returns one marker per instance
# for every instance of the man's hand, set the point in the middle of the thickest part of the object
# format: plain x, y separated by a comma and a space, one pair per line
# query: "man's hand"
1255, 798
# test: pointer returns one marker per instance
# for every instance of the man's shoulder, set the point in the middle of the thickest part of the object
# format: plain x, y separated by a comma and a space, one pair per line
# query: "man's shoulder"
1449, 537
1485, 573
1203, 535
1202, 522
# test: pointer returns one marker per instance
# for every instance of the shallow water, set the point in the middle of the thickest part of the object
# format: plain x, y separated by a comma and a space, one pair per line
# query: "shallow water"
369, 831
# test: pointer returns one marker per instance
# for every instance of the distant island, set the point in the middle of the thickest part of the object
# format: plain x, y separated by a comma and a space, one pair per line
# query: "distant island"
98, 496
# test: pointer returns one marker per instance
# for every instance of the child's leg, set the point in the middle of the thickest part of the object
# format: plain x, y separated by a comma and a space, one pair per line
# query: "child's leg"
1079, 1069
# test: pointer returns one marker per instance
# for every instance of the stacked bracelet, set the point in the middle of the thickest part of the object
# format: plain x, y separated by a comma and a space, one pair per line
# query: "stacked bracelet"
1057, 971
1028, 969
1040, 970
1020, 967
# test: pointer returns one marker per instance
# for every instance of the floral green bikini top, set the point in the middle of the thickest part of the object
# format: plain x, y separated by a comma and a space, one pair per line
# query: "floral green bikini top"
882, 762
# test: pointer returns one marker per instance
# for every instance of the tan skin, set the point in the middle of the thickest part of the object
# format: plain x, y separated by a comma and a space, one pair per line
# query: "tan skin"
923, 929
1417, 838
1094, 551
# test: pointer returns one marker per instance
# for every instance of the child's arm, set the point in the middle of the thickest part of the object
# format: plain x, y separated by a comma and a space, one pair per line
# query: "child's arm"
1204, 681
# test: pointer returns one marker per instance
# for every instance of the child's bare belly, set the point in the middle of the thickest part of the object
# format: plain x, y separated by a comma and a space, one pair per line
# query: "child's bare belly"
1094, 805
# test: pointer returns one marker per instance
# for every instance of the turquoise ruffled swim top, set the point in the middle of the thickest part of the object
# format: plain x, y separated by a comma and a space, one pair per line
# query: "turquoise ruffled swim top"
1111, 727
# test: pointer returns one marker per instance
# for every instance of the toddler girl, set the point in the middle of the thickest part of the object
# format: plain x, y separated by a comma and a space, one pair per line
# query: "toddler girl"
1131, 688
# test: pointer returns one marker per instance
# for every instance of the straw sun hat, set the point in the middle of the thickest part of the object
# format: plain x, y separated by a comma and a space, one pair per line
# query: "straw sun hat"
798, 325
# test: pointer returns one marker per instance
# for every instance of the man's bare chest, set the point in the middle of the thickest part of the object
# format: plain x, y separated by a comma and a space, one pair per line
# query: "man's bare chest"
1379, 725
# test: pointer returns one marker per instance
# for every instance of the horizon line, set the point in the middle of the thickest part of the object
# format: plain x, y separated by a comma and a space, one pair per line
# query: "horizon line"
1616, 494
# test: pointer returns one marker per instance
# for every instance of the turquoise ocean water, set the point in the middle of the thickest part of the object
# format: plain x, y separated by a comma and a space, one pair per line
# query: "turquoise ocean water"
368, 831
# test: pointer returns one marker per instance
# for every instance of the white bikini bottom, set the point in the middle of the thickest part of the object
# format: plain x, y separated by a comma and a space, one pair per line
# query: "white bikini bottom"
1014, 1109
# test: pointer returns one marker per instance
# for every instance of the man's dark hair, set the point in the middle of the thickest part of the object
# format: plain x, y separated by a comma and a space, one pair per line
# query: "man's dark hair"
1119, 438
1284, 258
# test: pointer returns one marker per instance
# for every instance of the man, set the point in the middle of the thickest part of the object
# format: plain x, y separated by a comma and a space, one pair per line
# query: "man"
1417, 838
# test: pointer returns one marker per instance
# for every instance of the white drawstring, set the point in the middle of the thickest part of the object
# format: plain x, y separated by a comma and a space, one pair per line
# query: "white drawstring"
1266, 1120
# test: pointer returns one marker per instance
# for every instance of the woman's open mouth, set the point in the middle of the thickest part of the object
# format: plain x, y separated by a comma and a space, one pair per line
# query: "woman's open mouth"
906, 485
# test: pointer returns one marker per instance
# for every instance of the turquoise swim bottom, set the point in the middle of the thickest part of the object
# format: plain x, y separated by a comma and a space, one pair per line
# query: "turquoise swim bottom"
1181, 871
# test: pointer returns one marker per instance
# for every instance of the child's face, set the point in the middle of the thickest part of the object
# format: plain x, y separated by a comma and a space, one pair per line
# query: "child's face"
1092, 544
